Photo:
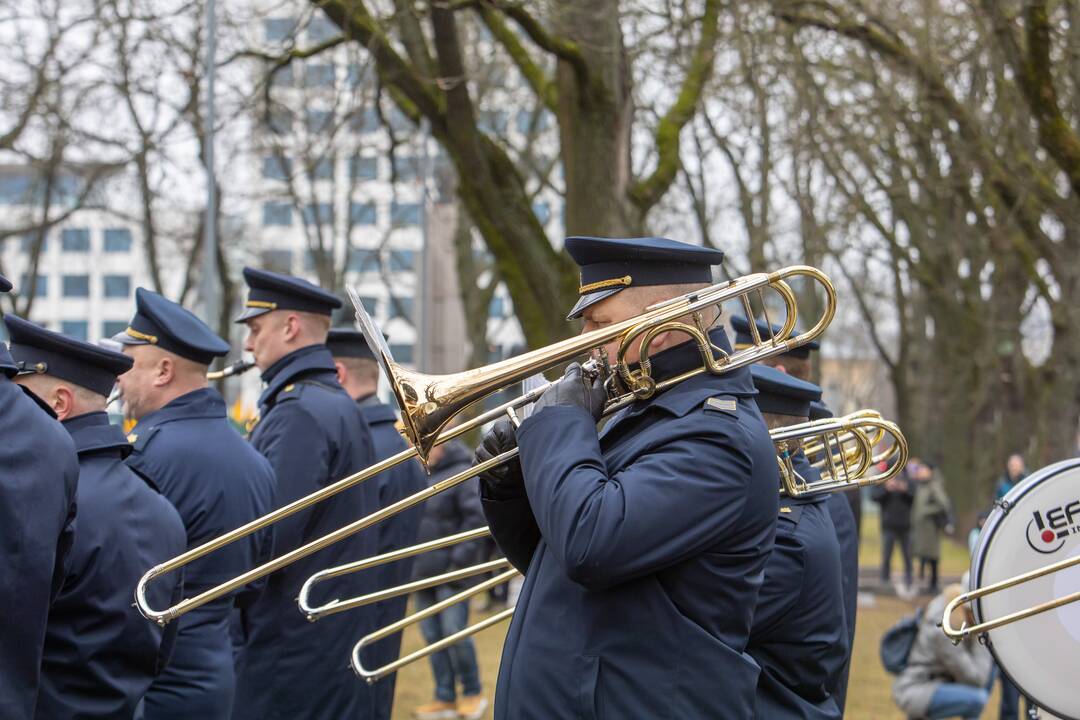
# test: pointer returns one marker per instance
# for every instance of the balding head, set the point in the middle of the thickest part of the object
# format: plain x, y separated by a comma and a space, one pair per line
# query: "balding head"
67, 399
157, 378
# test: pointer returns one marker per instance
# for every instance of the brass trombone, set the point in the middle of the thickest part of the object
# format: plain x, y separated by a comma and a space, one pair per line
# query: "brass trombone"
429, 402
844, 471
965, 630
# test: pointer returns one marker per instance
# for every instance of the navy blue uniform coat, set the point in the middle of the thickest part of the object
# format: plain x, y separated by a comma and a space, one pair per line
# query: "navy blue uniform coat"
847, 534
38, 477
217, 483
645, 549
313, 433
397, 532
100, 653
799, 636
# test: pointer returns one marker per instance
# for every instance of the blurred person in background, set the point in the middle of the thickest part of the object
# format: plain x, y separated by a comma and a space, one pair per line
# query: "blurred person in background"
1015, 472
943, 680
931, 513
449, 512
895, 498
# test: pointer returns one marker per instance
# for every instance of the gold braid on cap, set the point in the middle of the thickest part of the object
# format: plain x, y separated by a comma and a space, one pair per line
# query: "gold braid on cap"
261, 304
600, 285
152, 339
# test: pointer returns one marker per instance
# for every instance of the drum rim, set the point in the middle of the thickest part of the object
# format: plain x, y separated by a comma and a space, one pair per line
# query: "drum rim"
986, 538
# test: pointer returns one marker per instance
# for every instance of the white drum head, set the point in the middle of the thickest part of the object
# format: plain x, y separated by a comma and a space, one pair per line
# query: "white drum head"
1041, 654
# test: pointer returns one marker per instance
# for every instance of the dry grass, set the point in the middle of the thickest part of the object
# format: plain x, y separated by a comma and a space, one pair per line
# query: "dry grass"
869, 686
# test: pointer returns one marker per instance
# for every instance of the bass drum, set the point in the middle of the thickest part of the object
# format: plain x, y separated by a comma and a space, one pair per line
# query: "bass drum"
1037, 523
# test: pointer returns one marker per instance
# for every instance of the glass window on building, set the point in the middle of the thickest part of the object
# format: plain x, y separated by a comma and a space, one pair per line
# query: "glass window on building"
280, 121
277, 213
75, 239
406, 167
41, 286
323, 169
278, 29
283, 77
279, 261
113, 327
362, 213
402, 260
363, 260
17, 189
358, 76
542, 211
76, 328
76, 286
371, 305
318, 121
402, 353
497, 308
364, 121
117, 240
493, 121
321, 29
276, 167
364, 168
117, 286
528, 121
319, 75
402, 214
318, 214
401, 307
29, 239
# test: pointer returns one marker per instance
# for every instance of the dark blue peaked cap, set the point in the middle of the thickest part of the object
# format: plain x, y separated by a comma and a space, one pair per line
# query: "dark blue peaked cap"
609, 265
820, 411
37, 350
5, 284
161, 322
783, 394
348, 342
269, 291
743, 338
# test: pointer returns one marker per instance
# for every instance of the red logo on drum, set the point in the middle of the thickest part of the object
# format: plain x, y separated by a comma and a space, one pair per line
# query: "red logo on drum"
1051, 530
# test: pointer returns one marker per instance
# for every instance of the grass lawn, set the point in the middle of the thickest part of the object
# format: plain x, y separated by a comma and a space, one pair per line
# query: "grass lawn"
869, 686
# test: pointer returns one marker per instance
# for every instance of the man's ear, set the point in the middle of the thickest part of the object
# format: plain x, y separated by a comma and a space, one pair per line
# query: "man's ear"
341, 373
164, 372
62, 401
292, 327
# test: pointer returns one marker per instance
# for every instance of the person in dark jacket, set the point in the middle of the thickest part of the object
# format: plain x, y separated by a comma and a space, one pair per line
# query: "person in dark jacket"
100, 653
184, 441
39, 475
644, 544
799, 635
358, 373
1015, 472
314, 434
845, 508
895, 497
449, 512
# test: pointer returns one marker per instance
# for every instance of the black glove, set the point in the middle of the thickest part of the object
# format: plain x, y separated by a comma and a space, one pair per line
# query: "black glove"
505, 481
575, 390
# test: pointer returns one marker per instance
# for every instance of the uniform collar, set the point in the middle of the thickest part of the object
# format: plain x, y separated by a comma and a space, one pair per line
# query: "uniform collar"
202, 403
307, 360
93, 432
691, 393
7, 363
375, 410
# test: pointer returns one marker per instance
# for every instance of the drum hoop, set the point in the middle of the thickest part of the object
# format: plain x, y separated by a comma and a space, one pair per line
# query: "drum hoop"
1013, 497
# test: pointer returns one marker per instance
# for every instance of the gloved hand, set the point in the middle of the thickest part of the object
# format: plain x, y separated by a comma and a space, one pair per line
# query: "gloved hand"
574, 389
502, 481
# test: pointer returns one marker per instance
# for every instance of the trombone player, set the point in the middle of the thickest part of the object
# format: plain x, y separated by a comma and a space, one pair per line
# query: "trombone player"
643, 544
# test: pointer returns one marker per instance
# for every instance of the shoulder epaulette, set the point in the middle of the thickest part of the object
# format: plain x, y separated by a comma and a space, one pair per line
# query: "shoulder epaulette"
727, 404
790, 512
140, 438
